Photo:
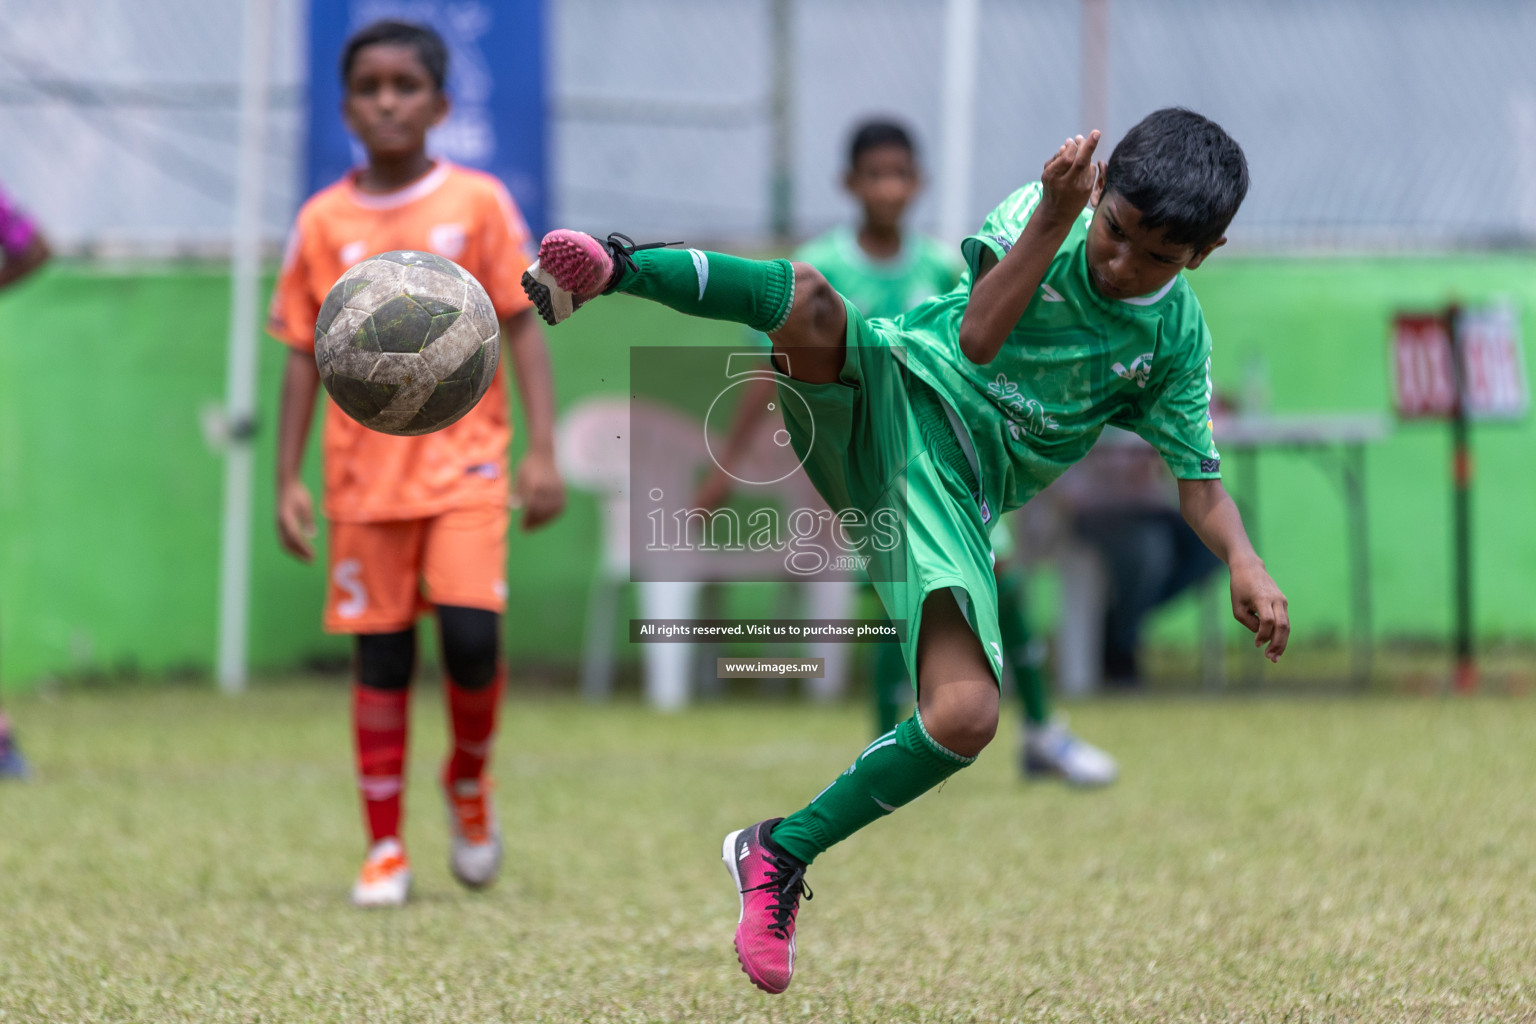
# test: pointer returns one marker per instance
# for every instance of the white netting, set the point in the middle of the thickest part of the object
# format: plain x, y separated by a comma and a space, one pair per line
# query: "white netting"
1367, 123
120, 119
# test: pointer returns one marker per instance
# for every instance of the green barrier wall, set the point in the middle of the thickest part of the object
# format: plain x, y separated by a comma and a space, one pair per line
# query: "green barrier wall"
109, 493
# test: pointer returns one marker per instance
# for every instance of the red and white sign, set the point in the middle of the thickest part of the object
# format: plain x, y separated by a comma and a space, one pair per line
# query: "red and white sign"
1421, 354
1492, 361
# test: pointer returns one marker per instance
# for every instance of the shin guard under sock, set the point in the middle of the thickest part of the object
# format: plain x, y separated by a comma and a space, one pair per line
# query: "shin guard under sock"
379, 724
472, 717
894, 770
758, 293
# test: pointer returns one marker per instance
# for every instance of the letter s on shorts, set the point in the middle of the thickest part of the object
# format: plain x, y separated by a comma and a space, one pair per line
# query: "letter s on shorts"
346, 577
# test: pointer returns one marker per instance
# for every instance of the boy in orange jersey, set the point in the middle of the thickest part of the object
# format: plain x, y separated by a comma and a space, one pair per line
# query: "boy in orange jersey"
416, 522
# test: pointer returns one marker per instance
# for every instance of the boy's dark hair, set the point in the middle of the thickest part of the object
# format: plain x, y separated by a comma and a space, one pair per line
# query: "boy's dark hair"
876, 135
429, 47
1183, 173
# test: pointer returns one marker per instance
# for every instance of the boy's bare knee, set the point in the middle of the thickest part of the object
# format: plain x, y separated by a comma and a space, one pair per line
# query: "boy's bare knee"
813, 334
962, 718
812, 287
820, 305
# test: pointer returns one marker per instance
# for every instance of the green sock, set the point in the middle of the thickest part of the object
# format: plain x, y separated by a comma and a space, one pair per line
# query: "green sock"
896, 769
758, 293
1033, 693
892, 691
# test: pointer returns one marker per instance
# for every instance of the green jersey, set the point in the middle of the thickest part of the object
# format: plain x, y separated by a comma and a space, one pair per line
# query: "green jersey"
1074, 363
881, 288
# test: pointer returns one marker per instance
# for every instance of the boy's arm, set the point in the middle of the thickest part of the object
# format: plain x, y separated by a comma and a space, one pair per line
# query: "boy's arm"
1256, 601
537, 487
295, 508
25, 262
999, 298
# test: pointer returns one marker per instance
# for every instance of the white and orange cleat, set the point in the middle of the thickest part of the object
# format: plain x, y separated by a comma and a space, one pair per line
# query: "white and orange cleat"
474, 854
385, 879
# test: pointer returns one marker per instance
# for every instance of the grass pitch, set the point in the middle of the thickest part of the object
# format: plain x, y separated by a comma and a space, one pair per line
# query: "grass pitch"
186, 857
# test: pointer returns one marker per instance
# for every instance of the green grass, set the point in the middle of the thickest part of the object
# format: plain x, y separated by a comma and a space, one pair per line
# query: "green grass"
185, 857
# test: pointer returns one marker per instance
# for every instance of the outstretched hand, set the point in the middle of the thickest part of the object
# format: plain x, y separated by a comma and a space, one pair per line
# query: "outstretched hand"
1260, 606
1069, 177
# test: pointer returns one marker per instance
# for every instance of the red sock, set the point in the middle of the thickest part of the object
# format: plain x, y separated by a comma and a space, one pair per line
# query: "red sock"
473, 714
379, 719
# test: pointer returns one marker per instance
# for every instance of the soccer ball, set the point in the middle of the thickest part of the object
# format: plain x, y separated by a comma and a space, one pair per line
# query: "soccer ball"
406, 342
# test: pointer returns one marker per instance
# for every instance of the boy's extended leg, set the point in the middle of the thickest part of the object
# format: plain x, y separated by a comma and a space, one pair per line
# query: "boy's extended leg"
791, 302
473, 685
956, 718
381, 700
809, 322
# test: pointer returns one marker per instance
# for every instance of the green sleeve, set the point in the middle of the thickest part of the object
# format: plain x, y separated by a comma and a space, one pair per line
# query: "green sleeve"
1176, 419
1002, 227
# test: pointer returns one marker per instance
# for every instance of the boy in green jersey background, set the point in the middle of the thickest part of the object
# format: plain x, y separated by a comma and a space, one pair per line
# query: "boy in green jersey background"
878, 265
1072, 316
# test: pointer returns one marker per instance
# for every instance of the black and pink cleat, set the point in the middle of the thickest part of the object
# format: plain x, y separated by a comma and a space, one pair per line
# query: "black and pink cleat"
770, 883
573, 267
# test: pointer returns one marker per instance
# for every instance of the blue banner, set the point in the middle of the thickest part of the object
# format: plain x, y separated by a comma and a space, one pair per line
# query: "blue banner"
495, 85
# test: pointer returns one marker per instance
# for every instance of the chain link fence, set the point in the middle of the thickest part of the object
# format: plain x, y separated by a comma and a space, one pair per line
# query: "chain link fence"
1369, 124
121, 119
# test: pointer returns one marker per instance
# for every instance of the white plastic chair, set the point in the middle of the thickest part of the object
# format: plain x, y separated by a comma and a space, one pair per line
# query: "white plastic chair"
595, 444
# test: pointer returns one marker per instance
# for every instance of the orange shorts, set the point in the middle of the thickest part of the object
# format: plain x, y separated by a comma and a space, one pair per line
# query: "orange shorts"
383, 575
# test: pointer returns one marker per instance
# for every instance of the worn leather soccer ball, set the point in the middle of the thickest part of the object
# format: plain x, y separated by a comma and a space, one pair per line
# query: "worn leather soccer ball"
407, 342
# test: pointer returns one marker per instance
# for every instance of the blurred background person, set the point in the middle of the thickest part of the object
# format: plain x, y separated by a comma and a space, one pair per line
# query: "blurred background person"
25, 250
1122, 504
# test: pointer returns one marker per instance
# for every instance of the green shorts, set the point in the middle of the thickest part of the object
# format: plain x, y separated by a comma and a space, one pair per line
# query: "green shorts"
878, 440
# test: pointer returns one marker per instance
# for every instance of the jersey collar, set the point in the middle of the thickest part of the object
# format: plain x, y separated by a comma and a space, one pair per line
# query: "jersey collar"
1147, 300
418, 189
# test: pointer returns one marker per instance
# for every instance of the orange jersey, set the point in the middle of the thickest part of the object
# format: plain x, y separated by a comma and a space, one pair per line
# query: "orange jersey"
468, 217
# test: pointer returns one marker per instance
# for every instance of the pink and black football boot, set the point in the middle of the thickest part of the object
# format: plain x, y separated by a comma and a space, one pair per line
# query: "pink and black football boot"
771, 883
573, 267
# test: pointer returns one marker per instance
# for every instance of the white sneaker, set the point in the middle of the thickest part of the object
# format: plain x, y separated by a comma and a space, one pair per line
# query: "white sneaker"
1052, 750
385, 879
474, 854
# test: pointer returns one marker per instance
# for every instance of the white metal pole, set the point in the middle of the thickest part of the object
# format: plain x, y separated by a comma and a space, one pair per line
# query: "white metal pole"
957, 128
240, 383
1095, 67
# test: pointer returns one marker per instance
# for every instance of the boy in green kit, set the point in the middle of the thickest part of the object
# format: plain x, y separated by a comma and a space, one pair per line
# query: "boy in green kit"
883, 270
1067, 320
